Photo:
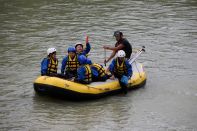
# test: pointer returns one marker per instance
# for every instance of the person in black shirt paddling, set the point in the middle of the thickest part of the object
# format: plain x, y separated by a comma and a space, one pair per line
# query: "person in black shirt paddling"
121, 44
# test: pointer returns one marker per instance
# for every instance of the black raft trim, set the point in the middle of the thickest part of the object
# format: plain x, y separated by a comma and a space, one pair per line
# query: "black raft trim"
58, 92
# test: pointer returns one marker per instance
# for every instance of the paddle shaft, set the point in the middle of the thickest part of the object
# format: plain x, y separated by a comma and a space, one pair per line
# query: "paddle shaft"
137, 55
105, 56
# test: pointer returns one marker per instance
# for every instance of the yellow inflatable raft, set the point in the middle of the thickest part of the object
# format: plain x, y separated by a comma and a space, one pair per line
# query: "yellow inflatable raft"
75, 91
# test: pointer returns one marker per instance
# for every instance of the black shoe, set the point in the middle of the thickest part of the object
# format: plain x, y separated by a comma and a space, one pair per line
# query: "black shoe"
125, 91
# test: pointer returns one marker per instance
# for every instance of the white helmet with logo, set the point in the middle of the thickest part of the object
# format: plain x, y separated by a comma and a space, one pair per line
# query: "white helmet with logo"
121, 53
51, 50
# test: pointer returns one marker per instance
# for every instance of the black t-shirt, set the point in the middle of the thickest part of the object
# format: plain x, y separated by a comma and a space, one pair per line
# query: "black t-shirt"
127, 47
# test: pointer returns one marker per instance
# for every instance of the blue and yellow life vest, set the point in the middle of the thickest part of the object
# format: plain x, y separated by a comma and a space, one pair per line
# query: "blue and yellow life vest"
72, 64
100, 69
88, 74
120, 68
52, 66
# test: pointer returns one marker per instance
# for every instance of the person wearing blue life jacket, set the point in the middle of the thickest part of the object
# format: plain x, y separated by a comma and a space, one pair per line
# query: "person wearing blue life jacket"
84, 72
80, 49
121, 68
70, 64
121, 44
89, 62
102, 76
49, 64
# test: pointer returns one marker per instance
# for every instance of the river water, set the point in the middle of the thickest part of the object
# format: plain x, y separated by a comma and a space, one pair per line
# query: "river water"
168, 29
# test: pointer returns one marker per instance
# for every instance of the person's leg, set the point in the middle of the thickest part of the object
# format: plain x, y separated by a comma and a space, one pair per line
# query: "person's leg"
123, 87
124, 82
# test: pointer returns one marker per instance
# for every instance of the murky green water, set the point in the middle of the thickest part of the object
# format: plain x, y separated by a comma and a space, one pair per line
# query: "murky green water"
167, 28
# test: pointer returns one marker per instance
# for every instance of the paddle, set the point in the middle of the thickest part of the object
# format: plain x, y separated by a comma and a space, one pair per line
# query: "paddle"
131, 60
105, 56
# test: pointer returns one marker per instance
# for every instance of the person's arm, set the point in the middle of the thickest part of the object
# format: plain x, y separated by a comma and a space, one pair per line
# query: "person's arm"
111, 56
129, 69
87, 49
94, 72
111, 67
63, 65
111, 70
114, 49
119, 47
44, 66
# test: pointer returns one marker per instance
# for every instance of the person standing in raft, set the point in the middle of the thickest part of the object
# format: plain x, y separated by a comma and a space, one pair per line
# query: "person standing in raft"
121, 44
50, 63
70, 64
84, 72
80, 49
121, 68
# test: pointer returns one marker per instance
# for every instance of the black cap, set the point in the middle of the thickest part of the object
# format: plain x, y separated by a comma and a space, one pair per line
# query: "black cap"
116, 33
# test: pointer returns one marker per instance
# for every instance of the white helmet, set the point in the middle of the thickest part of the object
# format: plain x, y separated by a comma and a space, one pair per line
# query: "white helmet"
51, 50
121, 53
